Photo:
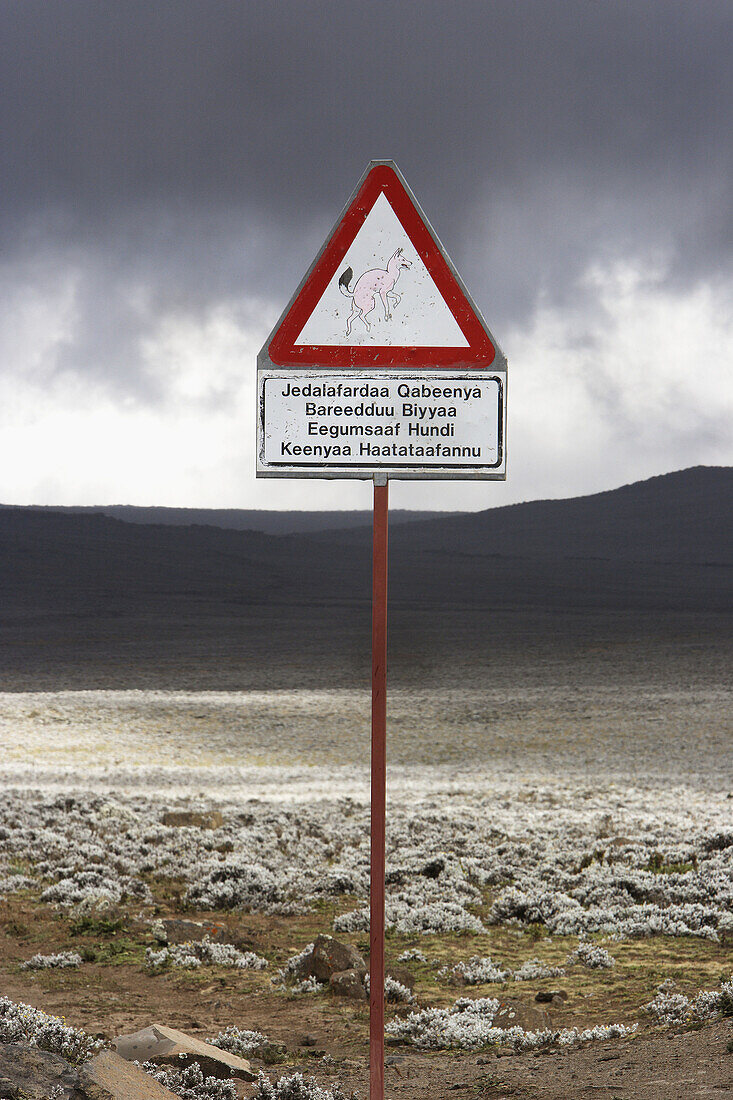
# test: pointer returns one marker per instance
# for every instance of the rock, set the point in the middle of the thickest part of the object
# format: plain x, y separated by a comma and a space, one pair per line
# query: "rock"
330, 956
190, 818
181, 931
109, 1077
168, 1047
551, 996
309, 1041
402, 975
26, 1071
348, 983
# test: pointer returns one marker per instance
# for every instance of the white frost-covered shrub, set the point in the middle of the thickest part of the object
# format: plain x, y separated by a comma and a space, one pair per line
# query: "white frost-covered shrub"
19, 1023
295, 962
413, 955
306, 985
403, 916
94, 885
192, 954
669, 869
725, 928
59, 961
476, 971
158, 932
175, 956
189, 1083
246, 1044
226, 954
295, 1087
237, 883
394, 992
568, 1036
592, 956
469, 1025
284, 978
10, 884
534, 969
676, 1008
668, 1008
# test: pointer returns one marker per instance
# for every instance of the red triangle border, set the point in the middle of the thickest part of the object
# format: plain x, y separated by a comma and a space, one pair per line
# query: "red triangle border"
283, 351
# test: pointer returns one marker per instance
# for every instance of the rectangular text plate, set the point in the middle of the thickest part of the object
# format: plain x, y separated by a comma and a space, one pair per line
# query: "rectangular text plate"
405, 424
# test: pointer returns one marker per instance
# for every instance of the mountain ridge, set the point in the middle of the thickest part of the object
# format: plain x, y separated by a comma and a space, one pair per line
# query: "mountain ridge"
540, 589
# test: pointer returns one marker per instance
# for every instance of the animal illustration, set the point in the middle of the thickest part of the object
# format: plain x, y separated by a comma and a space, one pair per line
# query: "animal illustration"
378, 280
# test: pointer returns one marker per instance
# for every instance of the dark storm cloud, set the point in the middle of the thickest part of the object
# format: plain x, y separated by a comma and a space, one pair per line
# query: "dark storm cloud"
202, 150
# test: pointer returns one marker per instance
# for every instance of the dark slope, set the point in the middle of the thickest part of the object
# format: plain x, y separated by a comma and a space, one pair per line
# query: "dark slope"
237, 519
88, 600
531, 553
685, 516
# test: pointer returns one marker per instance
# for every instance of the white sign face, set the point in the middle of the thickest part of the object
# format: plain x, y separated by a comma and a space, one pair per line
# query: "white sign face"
407, 424
382, 294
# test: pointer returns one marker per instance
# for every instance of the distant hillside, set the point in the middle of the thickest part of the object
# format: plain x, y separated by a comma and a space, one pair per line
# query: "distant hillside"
87, 599
682, 519
686, 516
238, 519
682, 516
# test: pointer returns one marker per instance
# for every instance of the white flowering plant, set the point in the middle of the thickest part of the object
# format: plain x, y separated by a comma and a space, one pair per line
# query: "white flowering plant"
469, 1025
535, 969
193, 953
295, 1087
539, 863
20, 1023
60, 960
592, 956
477, 971
249, 1044
190, 1083
675, 1008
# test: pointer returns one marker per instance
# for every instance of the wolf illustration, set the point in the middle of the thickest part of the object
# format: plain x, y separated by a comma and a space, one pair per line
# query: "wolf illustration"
378, 280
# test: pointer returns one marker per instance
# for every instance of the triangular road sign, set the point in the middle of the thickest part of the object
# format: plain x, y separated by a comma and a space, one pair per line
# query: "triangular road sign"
382, 292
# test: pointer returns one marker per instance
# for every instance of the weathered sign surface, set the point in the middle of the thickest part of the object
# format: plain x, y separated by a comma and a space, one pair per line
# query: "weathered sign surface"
381, 362
357, 423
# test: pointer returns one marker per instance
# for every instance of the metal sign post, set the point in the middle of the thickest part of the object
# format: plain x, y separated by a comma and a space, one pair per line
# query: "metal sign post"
381, 367
379, 786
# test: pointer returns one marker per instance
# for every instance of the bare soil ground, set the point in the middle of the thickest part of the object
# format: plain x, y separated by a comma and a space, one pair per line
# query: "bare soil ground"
610, 710
113, 993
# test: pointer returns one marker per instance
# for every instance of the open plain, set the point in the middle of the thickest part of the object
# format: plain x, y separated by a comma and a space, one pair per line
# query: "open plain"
186, 737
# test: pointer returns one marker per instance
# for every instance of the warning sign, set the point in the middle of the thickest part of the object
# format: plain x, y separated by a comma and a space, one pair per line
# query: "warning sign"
382, 293
381, 362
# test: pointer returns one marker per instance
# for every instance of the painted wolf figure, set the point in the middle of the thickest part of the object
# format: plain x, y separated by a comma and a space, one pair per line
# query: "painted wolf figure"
378, 280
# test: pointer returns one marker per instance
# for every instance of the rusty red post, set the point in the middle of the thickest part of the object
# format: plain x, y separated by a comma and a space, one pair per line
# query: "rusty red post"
379, 788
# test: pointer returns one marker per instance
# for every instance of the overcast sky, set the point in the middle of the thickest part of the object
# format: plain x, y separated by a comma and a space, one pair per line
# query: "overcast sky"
169, 170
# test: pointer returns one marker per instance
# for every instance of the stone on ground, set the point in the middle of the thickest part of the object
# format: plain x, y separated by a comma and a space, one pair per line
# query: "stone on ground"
348, 983
168, 1047
187, 931
330, 956
26, 1071
109, 1077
